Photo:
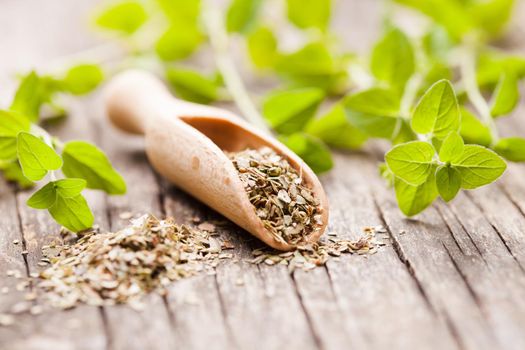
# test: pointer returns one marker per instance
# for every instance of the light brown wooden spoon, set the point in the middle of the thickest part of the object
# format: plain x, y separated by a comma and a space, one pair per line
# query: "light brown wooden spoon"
185, 143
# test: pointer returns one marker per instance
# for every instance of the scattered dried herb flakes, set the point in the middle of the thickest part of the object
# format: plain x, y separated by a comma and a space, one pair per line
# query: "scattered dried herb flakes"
122, 267
308, 256
281, 199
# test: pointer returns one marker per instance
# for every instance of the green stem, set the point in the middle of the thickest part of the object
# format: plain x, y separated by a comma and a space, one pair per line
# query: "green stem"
468, 76
234, 84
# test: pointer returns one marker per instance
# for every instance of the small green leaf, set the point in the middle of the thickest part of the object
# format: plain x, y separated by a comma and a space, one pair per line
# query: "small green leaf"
289, 111
44, 198
179, 41
85, 161
192, 86
393, 59
452, 148
414, 199
478, 166
437, 112
72, 213
241, 15
262, 47
312, 150
36, 157
374, 111
335, 130
32, 93
511, 148
448, 181
493, 64
473, 130
13, 172
125, 17
11, 123
182, 11
83, 78
314, 65
411, 161
506, 96
309, 13
69, 188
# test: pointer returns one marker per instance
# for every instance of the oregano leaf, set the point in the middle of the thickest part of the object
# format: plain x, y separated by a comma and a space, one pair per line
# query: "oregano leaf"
452, 148
192, 86
393, 59
309, 13
448, 181
412, 161
241, 15
505, 96
478, 166
312, 150
437, 112
511, 148
179, 41
73, 213
32, 93
83, 78
36, 157
413, 199
473, 130
124, 17
11, 123
44, 198
374, 111
289, 111
262, 47
86, 161
334, 129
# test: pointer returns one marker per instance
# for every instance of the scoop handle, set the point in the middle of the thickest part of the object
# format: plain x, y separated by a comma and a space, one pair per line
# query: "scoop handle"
135, 98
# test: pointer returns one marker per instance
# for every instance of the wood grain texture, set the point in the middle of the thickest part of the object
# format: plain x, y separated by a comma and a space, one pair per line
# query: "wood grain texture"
453, 278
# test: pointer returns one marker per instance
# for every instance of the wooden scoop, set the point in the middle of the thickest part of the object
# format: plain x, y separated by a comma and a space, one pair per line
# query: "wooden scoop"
185, 143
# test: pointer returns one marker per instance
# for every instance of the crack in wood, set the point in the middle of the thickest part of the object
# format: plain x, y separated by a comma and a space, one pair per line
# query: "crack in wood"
106, 327
505, 243
22, 236
222, 308
309, 321
464, 229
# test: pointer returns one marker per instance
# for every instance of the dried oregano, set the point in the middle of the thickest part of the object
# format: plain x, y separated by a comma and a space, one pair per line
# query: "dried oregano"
281, 199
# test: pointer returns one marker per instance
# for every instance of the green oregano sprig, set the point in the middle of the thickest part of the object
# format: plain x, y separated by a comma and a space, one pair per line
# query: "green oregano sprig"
30, 155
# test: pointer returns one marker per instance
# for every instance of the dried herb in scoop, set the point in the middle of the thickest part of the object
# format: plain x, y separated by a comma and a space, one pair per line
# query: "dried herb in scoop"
281, 199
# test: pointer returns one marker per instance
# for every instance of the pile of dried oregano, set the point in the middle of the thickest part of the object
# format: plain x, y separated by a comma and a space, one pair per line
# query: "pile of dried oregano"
122, 267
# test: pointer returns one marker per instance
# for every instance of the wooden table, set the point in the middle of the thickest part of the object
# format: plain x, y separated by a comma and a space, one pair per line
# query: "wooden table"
453, 278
